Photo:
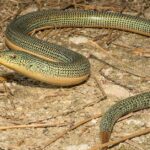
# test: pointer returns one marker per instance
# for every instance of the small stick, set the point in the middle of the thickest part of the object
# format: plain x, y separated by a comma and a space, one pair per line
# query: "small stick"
33, 126
118, 64
116, 82
62, 134
100, 87
135, 145
112, 143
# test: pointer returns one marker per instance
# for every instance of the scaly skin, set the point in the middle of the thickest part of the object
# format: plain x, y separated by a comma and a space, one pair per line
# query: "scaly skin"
57, 65
65, 66
120, 109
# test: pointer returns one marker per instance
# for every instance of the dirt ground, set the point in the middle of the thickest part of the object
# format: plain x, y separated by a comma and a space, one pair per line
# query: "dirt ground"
45, 117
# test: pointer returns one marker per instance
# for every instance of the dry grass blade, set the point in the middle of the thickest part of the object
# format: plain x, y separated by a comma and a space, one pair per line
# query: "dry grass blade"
112, 143
63, 133
116, 63
33, 126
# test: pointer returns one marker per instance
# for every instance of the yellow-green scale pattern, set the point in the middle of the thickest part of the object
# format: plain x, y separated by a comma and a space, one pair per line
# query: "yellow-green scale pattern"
65, 62
123, 107
69, 63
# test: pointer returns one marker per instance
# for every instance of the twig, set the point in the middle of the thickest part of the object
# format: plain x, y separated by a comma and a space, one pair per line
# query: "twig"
33, 126
125, 117
62, 134
116, 82
111, 37
72, 111
141, 52
136, 51
112, 143
118, 64
80, 108
122, 45
135, 145
100, 87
